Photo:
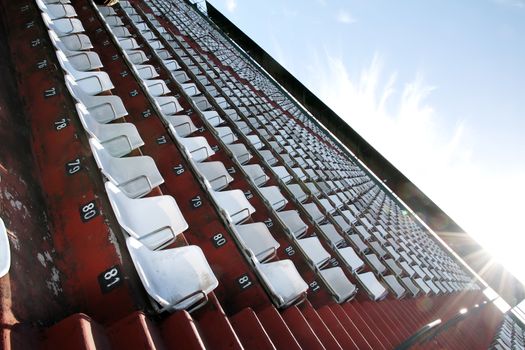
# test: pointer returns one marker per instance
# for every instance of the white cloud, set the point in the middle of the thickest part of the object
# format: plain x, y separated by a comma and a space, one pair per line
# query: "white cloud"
401, 124
231, 5
345, 17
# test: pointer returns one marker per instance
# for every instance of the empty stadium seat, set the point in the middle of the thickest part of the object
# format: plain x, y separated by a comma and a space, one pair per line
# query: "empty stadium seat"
155, 221
422, 285
118, 139
92, 83
282, 281
338, 284
395, 287
215, 173
273, 197
256, 174
314, 251
257, 238
63, 26
331, 234
293, 223
233, 204
373, 287
240, 152
81, 60
177, 278
283, 174
297, 192
358, 243
103, 108
313, 211
351, 259
134, 176
197, 148
375, 263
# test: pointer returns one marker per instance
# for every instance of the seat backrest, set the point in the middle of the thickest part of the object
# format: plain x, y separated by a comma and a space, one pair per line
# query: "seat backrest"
297, 192
351, 259
283, 281
177, 278
5, 251
293, 222
257, 238
340, 286
65, 64
314, 251
314, 212
274, 196
215, 173
256, 174
102, 157
395, 286
374, 288
88, 122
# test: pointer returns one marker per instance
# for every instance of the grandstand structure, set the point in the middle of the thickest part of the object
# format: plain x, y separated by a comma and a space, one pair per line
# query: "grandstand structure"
159, 190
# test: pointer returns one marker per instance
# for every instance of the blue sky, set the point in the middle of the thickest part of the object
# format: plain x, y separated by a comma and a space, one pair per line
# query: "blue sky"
436, 86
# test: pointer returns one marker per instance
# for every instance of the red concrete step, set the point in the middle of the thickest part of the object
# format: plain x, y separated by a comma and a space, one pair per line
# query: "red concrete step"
77, 331
277, 329
339, 332
180, 332
215, 327
392, 327
375, 323
135, 332
250, 330
372, 334
301, 329
319, 327
358, 337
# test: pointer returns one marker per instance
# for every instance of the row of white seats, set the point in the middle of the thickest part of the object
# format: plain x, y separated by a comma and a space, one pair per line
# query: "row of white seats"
291, 218
229, 133
311, 246
434, 289
510, 335
178, 278
280, 278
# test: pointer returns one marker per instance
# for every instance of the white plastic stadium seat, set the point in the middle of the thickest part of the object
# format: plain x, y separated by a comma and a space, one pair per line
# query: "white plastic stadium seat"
234, 204
340, 287
92, 83
118, 139
155, 221
215, 173
135, 176
177, 279
283, 282
103, 108
351, 259
274, 197
394, 286
81, 60
63, 26
293, 222
5, 250
373, 287
314, 251
258, 239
